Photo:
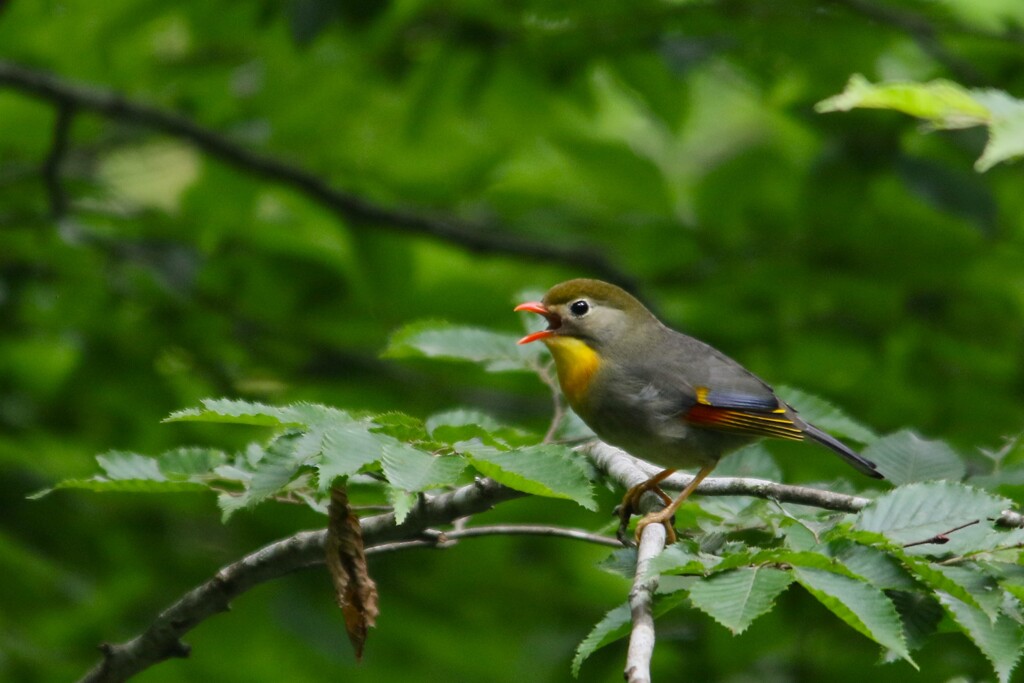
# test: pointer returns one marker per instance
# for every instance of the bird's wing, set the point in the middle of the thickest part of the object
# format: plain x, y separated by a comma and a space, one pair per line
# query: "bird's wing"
743, 413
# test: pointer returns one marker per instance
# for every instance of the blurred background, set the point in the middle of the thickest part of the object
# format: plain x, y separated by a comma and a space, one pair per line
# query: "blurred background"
302, 177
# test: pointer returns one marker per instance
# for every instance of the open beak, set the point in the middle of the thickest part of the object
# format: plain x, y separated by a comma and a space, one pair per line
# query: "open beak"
554, 322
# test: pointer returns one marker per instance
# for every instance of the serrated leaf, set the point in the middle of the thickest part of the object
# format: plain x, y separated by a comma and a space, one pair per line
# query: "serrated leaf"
461, 417
122, 465
973, 588
878, 567
920, 614
348, 447
905, 457
825, 415
413, 470
464, 425
186, 462
1006, 128
275, 468
400, 426
622, 562
104, 485
918, 512
944, 103
613, 626
862, 606
681, 558
546, 470
1000, 641
232, 411
401, 502
735, 598
495, 351
616, 625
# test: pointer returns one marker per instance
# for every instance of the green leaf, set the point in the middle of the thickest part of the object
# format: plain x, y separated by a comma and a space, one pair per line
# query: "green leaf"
104, 485
622, 562
753, 461
861, 605
970, 587
272, 470
613, 626
876, 566
682, 558
464, 425
616, 625
1000, 641
943, 103
735, 598
187, 462
401, 501
826, 416
400, 426
920, 614
121, 465
904, 458
546, 470
1006, 130
413, 470
918, 512
495, 351
233, 412
230, 411
346, 449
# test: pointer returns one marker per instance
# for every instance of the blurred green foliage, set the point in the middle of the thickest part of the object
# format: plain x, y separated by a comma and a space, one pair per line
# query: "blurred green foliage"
850, 255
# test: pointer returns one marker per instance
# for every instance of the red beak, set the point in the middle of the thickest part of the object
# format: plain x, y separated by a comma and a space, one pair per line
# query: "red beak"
540, 309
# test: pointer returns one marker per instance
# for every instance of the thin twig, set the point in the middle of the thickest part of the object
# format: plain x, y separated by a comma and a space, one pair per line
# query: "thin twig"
350, 207
529, 530
557, 402
941, 539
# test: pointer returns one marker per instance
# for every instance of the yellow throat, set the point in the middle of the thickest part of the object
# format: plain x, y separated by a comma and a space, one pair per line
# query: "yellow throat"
576, 363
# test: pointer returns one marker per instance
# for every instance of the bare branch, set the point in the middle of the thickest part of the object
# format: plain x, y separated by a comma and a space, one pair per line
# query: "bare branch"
641, 602
529, 530
489, 239
630, 471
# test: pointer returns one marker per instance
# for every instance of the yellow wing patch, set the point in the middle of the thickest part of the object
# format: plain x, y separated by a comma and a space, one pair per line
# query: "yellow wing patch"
773, 423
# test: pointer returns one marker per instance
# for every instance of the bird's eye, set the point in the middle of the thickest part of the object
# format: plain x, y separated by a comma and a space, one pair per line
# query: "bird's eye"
579, 308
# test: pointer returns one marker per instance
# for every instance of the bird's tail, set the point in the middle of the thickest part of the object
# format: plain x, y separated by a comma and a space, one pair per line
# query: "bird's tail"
860, 463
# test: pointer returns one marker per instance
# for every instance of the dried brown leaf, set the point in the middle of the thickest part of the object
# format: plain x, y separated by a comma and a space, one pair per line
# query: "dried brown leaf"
346, 561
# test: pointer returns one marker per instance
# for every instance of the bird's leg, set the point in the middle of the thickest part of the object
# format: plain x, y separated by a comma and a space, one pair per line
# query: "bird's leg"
664, 516
631, 501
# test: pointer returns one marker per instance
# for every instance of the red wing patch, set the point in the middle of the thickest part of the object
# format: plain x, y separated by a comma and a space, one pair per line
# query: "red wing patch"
769, 423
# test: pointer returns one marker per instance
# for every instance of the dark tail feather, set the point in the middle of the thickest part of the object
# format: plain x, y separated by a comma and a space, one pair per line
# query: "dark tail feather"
859, 463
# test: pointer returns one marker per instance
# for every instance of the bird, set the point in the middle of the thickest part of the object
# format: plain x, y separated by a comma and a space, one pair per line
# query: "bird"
658, 394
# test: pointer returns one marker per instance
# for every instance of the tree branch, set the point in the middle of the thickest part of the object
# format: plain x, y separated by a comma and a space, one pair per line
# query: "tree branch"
350, 207
641, 604
162, 639
55, 157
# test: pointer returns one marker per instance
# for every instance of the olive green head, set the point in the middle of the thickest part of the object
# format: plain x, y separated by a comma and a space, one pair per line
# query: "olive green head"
597, 313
